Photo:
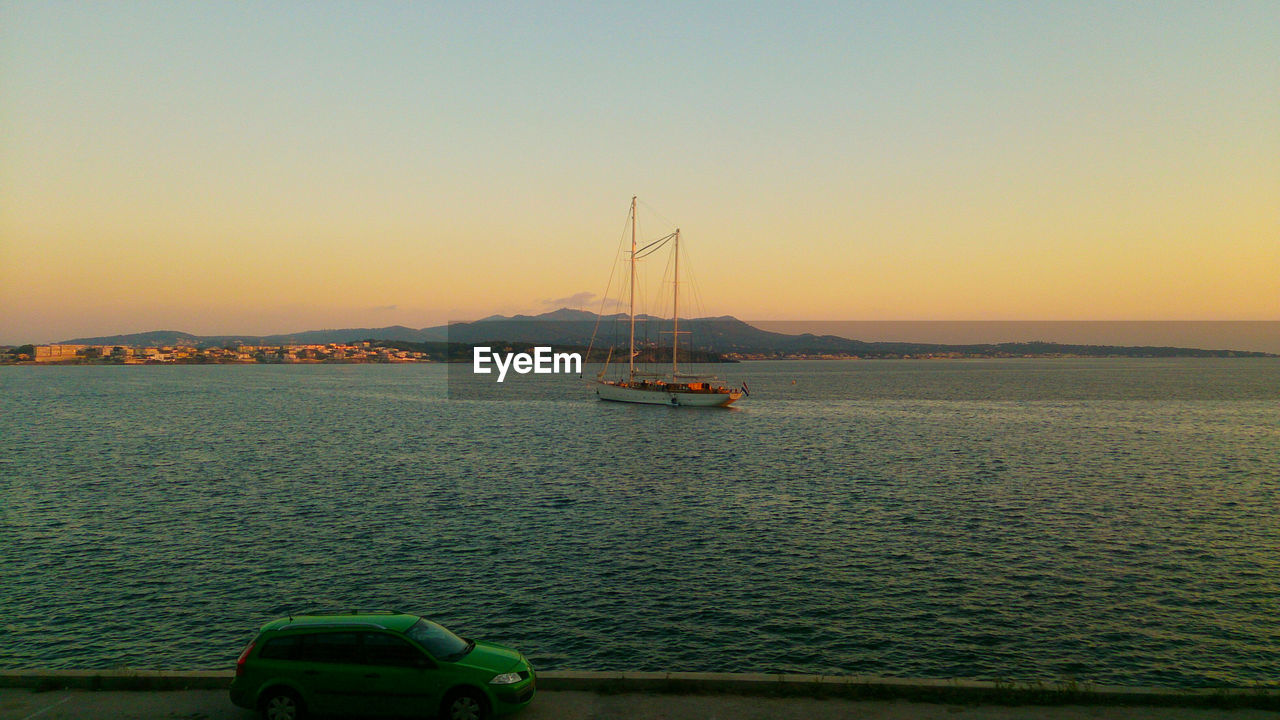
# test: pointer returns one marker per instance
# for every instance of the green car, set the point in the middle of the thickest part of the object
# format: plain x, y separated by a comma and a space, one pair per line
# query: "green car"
378, 663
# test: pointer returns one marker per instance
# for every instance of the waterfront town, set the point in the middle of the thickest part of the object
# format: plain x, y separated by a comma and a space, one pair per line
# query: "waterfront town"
357, 352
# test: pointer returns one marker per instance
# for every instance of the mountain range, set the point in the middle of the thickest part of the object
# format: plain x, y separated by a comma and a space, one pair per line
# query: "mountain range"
566, 327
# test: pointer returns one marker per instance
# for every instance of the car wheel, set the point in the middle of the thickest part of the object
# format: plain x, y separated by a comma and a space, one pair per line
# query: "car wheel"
282, 705
464, 705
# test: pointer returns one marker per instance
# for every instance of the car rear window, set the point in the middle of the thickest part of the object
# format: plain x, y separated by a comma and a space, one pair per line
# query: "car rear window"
281, 648
329, 647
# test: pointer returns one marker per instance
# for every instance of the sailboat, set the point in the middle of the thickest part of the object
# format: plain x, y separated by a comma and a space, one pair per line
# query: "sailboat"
676, 390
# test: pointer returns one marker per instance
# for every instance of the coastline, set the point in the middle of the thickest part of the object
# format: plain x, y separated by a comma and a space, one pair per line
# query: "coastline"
728, 359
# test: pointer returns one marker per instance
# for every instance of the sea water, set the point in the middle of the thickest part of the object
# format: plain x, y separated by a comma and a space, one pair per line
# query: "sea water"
1112, 521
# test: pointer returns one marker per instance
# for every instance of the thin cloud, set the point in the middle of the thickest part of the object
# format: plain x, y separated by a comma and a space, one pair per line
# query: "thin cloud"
574, 300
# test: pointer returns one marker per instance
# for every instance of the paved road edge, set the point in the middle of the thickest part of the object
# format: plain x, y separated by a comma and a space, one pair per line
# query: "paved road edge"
821, 686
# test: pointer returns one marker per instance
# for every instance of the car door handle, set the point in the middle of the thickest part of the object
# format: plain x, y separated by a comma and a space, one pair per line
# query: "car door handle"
372, 675
310, 672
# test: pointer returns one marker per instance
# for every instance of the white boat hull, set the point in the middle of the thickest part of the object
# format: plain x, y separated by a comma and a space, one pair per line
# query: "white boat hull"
658, 396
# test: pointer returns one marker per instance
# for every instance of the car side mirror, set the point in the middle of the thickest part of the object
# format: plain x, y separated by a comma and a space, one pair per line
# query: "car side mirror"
423, 663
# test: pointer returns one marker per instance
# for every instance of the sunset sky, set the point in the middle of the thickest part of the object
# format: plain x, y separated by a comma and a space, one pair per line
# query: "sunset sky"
259, 168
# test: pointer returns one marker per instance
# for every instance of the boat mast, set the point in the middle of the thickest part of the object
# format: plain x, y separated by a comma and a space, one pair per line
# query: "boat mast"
675, 311
631, 354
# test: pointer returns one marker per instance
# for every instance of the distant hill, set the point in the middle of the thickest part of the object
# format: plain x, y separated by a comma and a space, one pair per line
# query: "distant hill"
173, 338
154, 338
724, 334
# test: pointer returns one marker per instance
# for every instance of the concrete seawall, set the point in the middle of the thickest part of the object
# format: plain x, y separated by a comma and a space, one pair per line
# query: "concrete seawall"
808, 686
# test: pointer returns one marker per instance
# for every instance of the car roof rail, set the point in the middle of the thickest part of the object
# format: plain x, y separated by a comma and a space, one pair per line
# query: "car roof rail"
344, 611
335, 624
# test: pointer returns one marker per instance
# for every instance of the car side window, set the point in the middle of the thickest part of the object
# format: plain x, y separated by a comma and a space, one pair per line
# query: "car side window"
383, 649
281, 648
338, 647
